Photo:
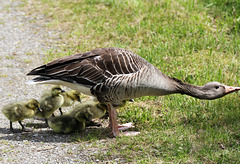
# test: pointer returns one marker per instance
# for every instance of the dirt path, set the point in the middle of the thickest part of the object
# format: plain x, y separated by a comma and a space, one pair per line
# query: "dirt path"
22, 47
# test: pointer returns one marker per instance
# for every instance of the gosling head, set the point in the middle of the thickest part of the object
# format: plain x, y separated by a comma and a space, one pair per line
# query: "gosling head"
85, 116
56, 90
214, 90
34, 105
101, 106
75, 95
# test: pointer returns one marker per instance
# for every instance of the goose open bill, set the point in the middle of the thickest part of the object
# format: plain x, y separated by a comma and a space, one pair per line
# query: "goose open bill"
114, 75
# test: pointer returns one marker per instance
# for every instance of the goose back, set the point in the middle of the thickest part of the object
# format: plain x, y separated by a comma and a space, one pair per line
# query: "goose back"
110, 74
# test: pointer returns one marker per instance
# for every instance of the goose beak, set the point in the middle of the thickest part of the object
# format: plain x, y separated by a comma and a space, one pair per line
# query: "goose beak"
229, 89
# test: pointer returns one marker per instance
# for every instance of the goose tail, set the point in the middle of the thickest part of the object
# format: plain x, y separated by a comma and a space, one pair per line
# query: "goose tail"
42, 80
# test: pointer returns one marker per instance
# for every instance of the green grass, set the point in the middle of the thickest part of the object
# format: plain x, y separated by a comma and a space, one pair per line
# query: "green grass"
193, 40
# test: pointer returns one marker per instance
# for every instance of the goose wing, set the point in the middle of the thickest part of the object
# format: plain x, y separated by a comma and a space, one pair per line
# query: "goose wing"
90, 68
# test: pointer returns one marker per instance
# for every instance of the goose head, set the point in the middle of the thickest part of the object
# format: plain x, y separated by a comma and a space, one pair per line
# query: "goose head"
214, 90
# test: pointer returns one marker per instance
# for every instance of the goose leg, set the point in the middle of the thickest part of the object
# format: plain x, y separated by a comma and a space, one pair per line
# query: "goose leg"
114, 125
109, 116
113, 121
115, 129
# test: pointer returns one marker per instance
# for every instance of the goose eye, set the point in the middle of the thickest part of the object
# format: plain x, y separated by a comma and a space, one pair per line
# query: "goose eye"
217, 87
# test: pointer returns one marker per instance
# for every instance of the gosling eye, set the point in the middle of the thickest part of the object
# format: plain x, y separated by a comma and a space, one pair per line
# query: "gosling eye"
57, 89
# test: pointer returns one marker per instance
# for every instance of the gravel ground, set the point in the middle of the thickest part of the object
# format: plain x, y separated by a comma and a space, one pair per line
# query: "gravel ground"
22, 47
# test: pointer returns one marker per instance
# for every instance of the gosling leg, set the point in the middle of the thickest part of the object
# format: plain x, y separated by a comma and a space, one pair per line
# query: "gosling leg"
11, 127
60, 109
23, 128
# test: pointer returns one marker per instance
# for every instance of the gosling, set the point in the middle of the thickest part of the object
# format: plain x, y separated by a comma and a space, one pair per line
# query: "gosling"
19, 111
69, 98
78, 118
87, 111
65, 124
50, 101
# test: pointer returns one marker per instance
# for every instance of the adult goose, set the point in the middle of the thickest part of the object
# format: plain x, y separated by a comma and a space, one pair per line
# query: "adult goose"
114, 75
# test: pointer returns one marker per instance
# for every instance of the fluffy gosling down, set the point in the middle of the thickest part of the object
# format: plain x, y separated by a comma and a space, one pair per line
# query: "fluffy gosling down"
65, 124
76, 119
70, 97
87, 111
50, 101
19, 111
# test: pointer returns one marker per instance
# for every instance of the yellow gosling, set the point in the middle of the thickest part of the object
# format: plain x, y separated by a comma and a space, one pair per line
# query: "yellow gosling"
21, 110
50, 101
65, 124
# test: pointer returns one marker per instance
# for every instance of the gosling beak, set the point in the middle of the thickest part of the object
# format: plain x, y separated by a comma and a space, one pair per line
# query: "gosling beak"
63, 91
87, 119
229, 89
79, 99
39, 109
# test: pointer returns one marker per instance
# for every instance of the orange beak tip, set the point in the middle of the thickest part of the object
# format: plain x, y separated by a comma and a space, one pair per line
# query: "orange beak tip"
232, 89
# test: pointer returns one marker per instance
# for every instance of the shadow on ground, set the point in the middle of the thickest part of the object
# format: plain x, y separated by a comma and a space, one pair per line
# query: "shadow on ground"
52, 137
